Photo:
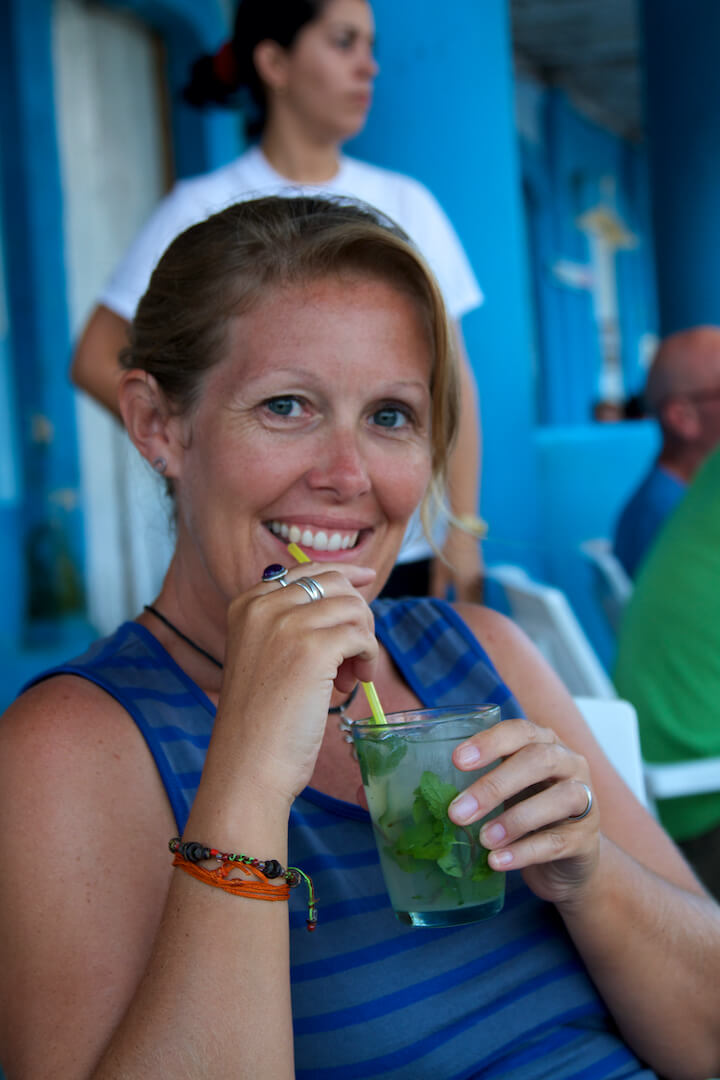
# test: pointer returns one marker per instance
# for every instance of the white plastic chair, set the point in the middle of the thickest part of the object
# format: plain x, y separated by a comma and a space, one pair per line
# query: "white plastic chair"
614, 724
545, 615
682, 778
613, 586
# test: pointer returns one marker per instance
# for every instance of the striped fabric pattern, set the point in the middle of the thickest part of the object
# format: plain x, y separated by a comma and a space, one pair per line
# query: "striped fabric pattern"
373, 998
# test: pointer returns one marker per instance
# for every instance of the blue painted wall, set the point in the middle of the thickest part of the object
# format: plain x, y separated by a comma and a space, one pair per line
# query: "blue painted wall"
12, 609
585, 469
684, 138
586, 473
38, 337
571, 165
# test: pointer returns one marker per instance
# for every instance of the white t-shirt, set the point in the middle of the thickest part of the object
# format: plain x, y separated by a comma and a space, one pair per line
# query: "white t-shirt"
400, 197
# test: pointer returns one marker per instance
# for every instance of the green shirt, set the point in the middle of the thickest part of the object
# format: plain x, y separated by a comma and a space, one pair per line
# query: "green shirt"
668, 661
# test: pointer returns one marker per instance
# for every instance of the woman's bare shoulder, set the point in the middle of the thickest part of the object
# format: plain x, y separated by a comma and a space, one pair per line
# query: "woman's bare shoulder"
68, 715
82, 802
68, 747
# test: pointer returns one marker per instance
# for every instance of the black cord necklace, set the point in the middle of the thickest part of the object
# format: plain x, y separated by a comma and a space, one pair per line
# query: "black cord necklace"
188, 641
334, 709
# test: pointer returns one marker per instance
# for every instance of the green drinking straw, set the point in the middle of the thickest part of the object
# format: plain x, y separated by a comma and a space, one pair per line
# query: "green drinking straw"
370, 692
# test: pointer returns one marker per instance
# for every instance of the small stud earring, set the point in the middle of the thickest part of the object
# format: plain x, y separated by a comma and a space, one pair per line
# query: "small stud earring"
159, 464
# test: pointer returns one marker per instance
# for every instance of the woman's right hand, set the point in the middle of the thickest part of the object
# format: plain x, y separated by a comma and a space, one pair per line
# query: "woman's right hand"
284, 655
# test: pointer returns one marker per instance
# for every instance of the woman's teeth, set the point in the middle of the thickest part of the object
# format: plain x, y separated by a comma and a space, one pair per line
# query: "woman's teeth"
319, 540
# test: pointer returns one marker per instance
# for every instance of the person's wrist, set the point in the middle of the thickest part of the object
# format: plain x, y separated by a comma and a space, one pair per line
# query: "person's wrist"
237, 810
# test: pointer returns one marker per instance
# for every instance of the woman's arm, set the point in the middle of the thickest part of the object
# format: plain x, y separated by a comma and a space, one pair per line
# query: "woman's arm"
647, 931
95, 368
461, 549
113, 965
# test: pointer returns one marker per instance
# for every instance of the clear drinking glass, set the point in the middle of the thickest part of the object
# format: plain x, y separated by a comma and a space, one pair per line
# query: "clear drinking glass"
436, 872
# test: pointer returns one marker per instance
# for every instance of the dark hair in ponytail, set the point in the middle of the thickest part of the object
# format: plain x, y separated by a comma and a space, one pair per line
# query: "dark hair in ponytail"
222, 78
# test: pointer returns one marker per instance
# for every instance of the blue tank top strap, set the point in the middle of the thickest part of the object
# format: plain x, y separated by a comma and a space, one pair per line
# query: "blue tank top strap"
439, 656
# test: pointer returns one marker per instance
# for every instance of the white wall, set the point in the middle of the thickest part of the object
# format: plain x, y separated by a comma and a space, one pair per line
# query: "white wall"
113, 154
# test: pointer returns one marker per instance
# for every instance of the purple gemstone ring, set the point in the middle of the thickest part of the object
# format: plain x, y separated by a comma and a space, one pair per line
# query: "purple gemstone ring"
275, 572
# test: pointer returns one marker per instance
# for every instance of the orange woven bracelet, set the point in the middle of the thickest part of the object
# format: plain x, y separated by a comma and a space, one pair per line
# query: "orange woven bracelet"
261, 888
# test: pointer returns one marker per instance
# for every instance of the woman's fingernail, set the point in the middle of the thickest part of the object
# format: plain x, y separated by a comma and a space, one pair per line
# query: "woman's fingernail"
468, 755
500, 859
463, 807
492, 834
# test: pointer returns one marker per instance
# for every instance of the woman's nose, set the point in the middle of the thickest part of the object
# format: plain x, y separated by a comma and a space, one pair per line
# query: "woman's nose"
341, 468
368, 64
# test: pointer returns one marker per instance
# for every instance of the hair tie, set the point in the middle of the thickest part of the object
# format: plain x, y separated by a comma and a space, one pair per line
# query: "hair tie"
224, 65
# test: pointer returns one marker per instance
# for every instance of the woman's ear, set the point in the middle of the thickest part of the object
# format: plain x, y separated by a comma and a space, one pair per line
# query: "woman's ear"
270, 60
151, 425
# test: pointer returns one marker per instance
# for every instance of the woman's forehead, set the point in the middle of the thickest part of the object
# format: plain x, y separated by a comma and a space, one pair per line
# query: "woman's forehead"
324, 319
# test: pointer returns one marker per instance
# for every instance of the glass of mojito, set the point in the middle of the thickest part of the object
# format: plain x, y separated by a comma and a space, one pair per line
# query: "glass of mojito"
436, 872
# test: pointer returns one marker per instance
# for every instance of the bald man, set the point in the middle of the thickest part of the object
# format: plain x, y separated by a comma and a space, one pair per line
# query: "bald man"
683, 394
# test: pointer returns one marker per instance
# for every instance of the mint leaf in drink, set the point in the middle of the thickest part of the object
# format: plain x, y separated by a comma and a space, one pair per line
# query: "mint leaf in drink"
432, 835
437, 794
450, 862
432, 844
481, 869
420, 811
378, 757
425, 841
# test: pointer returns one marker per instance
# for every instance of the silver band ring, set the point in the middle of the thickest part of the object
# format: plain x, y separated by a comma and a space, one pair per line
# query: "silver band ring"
588, 808
312, 587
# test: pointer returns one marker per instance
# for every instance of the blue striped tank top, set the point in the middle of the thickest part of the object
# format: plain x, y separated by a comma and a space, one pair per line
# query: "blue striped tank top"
507, 998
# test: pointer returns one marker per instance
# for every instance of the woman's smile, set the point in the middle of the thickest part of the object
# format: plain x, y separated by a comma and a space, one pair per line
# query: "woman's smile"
316, 539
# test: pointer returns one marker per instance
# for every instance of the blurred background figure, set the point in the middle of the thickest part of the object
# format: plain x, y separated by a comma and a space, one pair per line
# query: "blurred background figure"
303, 75
683, 394
668, 661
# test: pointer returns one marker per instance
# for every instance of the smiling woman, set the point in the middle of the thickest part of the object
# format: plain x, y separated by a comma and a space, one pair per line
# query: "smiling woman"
289, 373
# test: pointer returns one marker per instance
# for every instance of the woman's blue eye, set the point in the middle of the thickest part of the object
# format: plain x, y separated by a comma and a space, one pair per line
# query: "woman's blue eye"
390, 416
283, 406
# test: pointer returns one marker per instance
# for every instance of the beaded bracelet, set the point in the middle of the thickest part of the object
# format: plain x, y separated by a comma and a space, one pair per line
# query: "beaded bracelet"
188, 854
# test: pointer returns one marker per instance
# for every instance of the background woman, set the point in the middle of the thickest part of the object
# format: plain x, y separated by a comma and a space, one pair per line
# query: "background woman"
305, 71
290, 367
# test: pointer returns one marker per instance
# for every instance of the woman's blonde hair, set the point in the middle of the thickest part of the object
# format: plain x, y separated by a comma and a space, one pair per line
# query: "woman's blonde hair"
225, 265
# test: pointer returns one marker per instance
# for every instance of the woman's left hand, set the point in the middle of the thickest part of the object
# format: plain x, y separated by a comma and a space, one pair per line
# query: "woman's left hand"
543, 784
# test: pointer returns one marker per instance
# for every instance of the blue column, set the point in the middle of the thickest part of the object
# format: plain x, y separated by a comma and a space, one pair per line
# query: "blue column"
12, 609
683, 121
39, 338
444, 112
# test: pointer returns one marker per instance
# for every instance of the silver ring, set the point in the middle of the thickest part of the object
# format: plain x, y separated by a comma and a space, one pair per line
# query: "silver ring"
588, 808
312, 587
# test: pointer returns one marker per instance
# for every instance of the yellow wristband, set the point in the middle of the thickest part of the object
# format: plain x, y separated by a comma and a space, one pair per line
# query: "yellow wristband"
471, 523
